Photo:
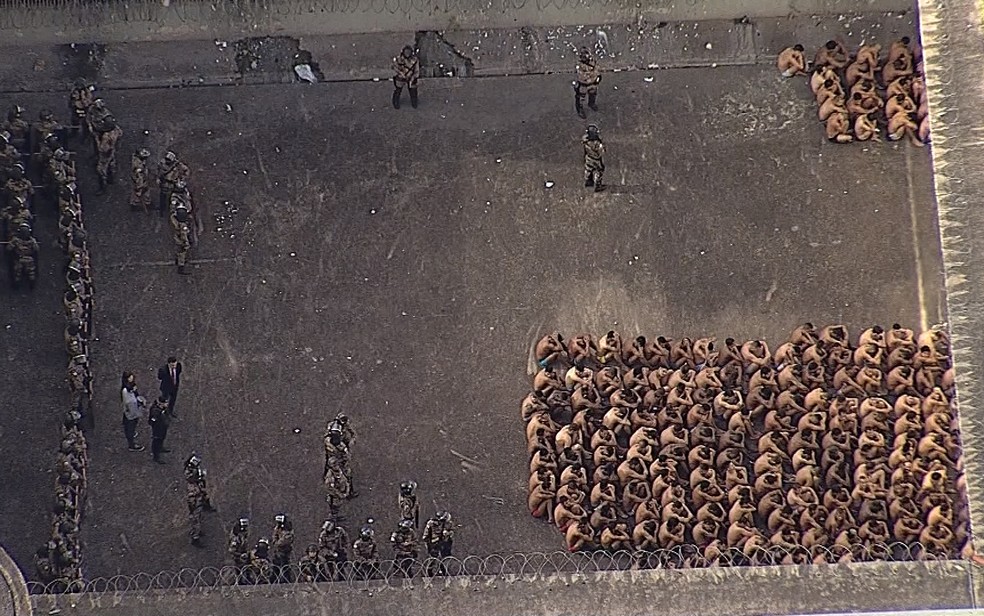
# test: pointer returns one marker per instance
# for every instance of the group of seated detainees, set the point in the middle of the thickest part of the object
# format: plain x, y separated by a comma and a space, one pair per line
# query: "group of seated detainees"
826, 450
862, 95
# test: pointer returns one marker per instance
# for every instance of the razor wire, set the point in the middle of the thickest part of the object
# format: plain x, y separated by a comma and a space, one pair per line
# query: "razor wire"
403, 572
26, 14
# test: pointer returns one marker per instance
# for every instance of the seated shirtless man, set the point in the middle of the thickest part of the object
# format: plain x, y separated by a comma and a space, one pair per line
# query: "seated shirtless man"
899, 102
832, 54
834, 104
550, 349
838, 128
903, 125
858, 70
865, 127
791, 61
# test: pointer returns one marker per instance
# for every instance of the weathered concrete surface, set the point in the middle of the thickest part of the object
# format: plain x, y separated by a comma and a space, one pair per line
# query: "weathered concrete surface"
764, 591
14, 600
399, 264
486, 52
75, 21
953, 35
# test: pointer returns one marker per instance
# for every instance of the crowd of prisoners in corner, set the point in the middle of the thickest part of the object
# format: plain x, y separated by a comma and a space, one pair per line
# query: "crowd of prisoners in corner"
824, 451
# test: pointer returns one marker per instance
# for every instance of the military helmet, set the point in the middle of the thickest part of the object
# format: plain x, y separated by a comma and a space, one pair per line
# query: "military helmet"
24, 230
45, 115
312, 549
406, 524
407, 48
61, 154
193, 460
242, 524
170, 156
108, 123
328, 526
280, 519
4, 136
143, 153
592, 128
366, 533
181, 214
407, 487
263, 542
443, 516
99, 103
342, 419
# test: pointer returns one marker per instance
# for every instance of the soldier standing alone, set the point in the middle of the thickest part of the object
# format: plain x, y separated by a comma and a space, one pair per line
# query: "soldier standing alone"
594, 158
197, 498
106, 140
406, 67
182, 238
588, 78
282, 544
140, 176
407, 501
24, 251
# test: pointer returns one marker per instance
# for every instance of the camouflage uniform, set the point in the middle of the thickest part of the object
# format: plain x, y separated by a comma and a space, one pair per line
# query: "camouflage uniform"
79, 101
196, 505
282, 543
237, 547
333, 544
365, 555
406, 72
404, 543
24, 256
438, 537
337, 487
171, 172
140, 176
17, 126
588, 78
106, 146
182, 242
312, 566
594, 163
260, 569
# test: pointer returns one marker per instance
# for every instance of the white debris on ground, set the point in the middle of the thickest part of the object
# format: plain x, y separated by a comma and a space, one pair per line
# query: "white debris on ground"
304, 72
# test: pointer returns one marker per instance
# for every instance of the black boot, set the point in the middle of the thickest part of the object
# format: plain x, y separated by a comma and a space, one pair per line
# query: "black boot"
592, 97
578, 107
589, 182
102, 186
396, 98
111, 174
413, 97
600, 187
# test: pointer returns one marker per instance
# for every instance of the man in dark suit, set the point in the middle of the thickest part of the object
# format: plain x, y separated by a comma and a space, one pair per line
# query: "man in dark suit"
170, 378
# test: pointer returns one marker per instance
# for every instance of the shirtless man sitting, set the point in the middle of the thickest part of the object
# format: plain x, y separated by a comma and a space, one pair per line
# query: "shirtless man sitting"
832, 54
902, 125
899, 103
791, 61
858, 70
582, 350
549, 350
865, 127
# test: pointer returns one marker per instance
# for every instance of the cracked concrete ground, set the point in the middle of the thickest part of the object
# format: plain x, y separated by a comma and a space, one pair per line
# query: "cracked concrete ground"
399, 264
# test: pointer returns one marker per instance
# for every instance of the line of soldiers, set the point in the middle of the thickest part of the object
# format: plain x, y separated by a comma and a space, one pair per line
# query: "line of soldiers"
338, 440
825, 450
329, 557
17, 202
269, 560
859, 95
60, 559
196, 497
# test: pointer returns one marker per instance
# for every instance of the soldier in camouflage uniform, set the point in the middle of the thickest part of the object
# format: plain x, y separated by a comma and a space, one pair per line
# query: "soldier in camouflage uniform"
193, 471
588, 78
407, 502
17, 184
181, 232
406, 69
365, 554
9, 156
171, 172
438, 538
594, 158
238, 542
24, 252
16, 125
333, 542
312, 566
196, 498
260, 569
140, 177
404, 543
79, 101
282, 545
106, 140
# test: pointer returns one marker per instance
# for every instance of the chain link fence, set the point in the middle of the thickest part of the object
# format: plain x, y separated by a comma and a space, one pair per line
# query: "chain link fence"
398, 573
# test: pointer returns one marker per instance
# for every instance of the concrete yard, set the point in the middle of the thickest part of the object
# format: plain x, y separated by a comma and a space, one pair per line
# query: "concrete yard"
398, 265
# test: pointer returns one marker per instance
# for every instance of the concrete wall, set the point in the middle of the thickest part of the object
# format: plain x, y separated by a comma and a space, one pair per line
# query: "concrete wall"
108, 21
